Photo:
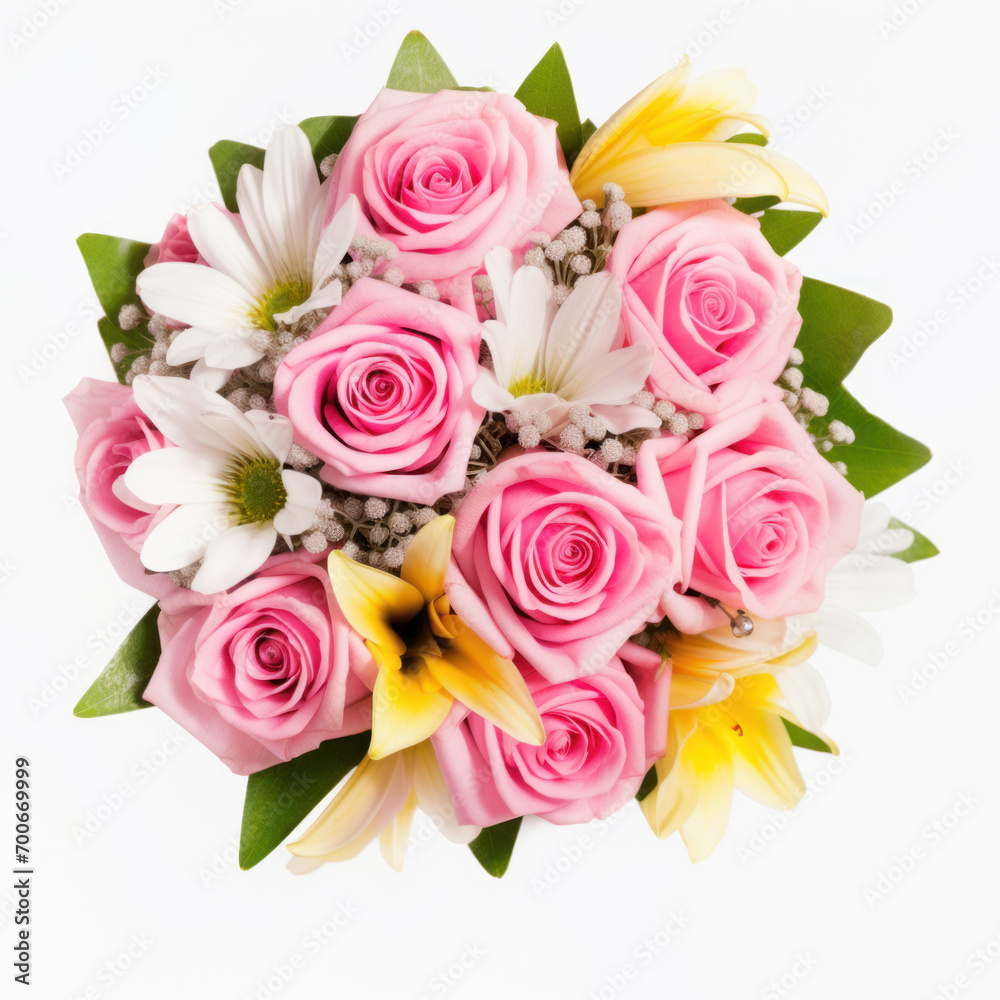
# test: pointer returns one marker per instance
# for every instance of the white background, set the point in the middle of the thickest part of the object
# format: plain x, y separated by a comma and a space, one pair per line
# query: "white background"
775, 911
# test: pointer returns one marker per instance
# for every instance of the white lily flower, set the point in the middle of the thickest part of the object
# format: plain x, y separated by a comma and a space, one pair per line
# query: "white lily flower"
547, 359
868, 579
271, 264
225, 475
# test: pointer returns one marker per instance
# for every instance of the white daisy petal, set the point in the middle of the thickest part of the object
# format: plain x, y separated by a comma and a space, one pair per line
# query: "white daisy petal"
189, 345
183, 536
178, 408
232, 556
299, 513
224, 242
211, 378
325, 298
231, 350
491, 396
291, 187
176, 475
584, 328
194, 294
273, 430
250, 198
500, 268
621, 419
621, 375
336, 241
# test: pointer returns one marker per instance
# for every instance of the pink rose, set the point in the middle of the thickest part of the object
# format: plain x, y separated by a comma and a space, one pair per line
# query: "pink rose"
265, 672
381, 392
590, 765
175, 244
703, 288
763, 516
447, 176
560, 561
113, 432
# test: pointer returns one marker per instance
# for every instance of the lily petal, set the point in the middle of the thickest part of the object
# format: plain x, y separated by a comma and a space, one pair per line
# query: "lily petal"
373, 600
427, 557
406, 710
486, 683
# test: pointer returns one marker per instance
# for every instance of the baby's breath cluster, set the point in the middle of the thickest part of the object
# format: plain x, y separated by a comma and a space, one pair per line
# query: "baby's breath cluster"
581, 248
810, 408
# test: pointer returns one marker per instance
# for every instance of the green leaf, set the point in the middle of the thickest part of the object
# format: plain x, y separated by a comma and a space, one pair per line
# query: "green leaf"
754, 138
648, 784
121, 683
419, 68
280, 797
547, 91
751, 206
135, 340
328, 134
113, 264
880, 455
587, 129
227, 157
803, 738
838, 326
784, 228
922, 547
494, 846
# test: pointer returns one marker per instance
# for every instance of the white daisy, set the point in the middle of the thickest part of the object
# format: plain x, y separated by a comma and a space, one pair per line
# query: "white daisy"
547, 359
868, 579
225, 475
268, 265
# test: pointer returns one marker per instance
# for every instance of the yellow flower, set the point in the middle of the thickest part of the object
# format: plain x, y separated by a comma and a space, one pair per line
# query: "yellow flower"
667, 144
705, 666
379, 800
738, 744
728, 697
426, 656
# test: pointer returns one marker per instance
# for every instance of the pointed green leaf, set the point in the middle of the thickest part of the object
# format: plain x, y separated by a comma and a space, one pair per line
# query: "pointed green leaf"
113, 264
494, 846
754, 138
803, 738
880, 455
784, 228
280, 797
751, 206
922, 547
328, 134
419, 68
587, 129
838, 326
648, 784
135, 340
547, 91
121, 683
227, 157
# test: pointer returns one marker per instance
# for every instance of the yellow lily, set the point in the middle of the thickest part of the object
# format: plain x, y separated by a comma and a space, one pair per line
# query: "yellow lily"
705, 666
667, 144
427, 657
379, 799
738, 744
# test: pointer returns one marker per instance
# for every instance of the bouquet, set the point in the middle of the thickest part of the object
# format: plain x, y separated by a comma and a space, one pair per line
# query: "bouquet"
484, 462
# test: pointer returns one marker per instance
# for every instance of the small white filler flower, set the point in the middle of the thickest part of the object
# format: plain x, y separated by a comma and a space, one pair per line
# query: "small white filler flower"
226, 476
